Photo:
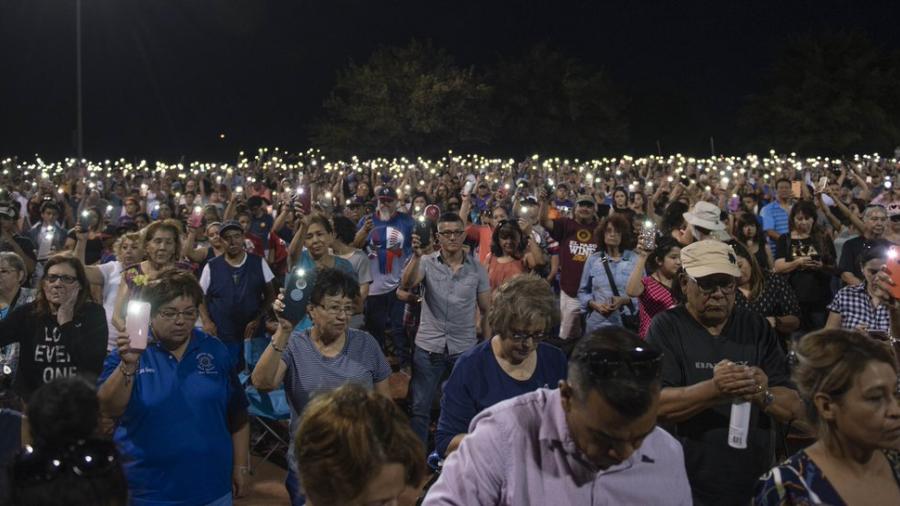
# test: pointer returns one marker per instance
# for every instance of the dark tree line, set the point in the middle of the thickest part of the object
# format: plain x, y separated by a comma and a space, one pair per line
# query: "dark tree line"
836, 94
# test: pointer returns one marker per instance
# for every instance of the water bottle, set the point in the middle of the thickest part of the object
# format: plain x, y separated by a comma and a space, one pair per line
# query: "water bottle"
739, 424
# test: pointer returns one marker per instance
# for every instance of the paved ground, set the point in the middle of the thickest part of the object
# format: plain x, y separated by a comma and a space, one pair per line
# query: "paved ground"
267, 484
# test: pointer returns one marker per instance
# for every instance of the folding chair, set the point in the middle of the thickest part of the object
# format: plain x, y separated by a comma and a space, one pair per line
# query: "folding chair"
266, 409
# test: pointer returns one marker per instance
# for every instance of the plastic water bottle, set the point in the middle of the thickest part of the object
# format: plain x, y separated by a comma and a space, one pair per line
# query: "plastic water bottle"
739, 425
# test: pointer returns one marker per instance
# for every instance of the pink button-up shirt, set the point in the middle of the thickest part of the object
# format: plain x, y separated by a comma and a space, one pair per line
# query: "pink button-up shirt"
520, 452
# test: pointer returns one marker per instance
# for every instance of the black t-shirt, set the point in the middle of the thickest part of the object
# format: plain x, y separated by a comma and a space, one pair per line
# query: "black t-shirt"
48, 351
719, 474
850, 253
811, 286
93, 250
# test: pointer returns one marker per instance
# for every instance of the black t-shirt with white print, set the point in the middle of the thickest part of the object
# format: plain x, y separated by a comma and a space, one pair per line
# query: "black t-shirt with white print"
719, 474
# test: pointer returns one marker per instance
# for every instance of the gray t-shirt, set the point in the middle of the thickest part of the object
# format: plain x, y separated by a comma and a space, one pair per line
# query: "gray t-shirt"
309, 373
361, 264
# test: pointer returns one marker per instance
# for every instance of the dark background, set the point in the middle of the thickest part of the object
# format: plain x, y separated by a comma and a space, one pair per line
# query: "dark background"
164, 78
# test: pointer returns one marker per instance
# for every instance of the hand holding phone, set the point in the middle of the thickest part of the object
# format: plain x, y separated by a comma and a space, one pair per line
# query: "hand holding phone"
137, 324
196, 218
423, 230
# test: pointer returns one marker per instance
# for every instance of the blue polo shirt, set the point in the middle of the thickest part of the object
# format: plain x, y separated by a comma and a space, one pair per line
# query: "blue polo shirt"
174, 433
774, 217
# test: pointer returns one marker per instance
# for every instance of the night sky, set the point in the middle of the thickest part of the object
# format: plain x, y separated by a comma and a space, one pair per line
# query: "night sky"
163, 78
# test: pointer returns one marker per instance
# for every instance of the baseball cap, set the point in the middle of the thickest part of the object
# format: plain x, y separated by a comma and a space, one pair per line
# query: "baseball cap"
705, 215
387, 193
586, 199
705, 258
230, 225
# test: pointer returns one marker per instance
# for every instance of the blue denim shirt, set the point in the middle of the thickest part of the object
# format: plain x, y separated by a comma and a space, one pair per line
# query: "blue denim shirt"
595, 286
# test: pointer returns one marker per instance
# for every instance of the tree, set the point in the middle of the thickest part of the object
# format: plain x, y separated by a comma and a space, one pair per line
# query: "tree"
836, 95
410, 100
552, 103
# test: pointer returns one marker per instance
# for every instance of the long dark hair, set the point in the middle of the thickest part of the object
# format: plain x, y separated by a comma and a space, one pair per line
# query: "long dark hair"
41, 305
622, 226
807, 208
507, 227
746, 220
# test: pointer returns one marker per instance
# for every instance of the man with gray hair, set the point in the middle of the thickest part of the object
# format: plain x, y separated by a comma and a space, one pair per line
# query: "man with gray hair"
592, 441
875, 222
716, 355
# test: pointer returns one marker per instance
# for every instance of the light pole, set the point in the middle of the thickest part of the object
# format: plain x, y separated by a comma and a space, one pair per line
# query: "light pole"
79, 126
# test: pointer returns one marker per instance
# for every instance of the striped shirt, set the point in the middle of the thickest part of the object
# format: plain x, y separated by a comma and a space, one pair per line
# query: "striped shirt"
655, 299
309, 373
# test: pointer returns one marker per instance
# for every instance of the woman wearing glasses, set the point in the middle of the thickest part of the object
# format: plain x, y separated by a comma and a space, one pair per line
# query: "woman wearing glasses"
61, 334
182, 414
513, 362
321, 358
12, 295
605, 276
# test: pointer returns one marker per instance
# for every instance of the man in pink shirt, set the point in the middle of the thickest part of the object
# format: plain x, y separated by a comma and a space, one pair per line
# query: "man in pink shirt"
592, 441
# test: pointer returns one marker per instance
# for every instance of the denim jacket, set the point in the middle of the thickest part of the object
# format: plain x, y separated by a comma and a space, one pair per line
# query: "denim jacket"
595, 286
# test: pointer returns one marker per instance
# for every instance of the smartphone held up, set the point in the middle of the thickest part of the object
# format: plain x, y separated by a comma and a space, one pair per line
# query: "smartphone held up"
137, 324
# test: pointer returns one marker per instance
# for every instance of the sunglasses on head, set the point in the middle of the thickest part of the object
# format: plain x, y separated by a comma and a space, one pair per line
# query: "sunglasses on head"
84, 458
640, 363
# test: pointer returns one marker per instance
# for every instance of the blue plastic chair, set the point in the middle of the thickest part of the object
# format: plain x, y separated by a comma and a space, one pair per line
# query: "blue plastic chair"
267, 409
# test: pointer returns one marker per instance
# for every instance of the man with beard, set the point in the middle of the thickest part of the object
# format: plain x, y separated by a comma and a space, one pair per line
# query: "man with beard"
715, 354
388, 242
237, 287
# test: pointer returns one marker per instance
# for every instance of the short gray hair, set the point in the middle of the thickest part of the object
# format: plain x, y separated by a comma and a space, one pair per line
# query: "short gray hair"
874, 208
13, 260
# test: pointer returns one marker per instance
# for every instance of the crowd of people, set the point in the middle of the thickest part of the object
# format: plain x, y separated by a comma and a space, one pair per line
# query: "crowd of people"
571, 332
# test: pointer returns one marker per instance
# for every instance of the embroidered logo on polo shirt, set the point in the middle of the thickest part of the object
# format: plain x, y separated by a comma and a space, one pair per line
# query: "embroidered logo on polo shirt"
206, 364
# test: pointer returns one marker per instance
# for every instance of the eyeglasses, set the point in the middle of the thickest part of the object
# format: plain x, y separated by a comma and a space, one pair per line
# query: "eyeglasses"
336, 310
53, 278
84, 458
640, 363
170, 314
521, 337
709, 284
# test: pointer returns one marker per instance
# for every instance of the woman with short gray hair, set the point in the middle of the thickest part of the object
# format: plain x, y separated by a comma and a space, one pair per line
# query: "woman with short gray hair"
515, 361
12, 295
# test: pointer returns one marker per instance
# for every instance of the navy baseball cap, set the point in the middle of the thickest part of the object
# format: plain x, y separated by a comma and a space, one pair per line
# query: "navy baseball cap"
230, 225
387, 193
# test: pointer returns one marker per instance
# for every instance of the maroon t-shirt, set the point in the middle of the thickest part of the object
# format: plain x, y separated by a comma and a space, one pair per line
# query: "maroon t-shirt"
576, 243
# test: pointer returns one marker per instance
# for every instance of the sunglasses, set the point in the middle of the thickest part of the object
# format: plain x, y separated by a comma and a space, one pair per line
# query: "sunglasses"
709, 284
639, 363
84, 458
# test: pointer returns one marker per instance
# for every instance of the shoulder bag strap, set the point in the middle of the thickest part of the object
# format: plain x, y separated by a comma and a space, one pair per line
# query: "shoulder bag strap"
612, 282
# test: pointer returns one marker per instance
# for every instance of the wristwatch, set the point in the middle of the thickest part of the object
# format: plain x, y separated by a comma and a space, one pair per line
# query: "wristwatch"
768, 399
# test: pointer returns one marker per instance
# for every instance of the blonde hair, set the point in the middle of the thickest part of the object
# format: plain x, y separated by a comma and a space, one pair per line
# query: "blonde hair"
134, 237
526, 299
829, 361
345, 436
